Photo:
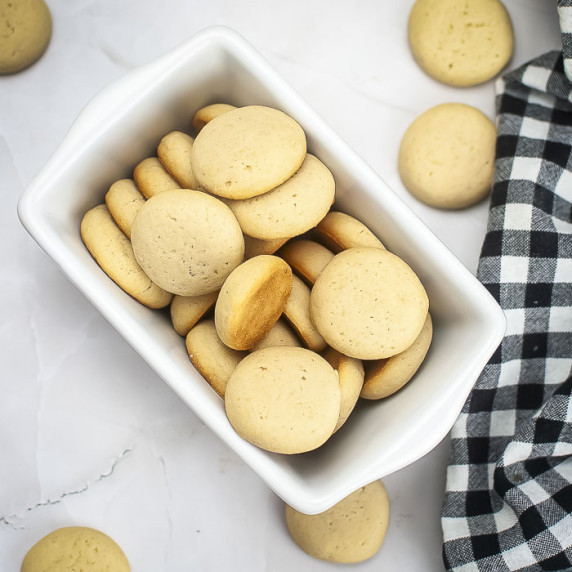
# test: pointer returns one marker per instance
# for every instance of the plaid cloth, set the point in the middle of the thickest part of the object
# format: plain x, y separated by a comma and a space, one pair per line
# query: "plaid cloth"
508, 495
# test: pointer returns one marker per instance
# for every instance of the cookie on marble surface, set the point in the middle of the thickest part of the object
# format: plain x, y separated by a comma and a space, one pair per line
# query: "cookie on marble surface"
247, 152
187, 241
251, 300
306, 258
385, 377
339, 231
123, 199
25, 32
152, 178
352, 531
280, 334
368, 303
283, 399
289, 209
186, 311
460, 43
447, 155
112, 250
214, 360
75, 548
297, 314
351, 377
209, 112
174, 152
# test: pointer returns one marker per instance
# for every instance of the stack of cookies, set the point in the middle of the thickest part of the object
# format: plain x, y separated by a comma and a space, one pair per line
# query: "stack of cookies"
290, 310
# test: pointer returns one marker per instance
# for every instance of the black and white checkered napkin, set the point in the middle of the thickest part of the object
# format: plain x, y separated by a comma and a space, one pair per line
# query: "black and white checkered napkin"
508, 497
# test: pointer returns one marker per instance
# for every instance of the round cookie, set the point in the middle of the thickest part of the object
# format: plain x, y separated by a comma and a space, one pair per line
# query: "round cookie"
152, 178
186, 311
368, 303
214, 360
112, 250
123, 199
247, 151
209, 112
447, 154
186, 241
283, 399
174, 152
385, 377
460, 43
306, 257
75, 548
25, 32
351, 376
254, 246
290, 209
352, 531
279, 335
297, 313
339, 231
251, 300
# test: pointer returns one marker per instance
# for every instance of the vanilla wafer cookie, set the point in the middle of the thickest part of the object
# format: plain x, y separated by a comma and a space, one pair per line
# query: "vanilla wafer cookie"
289, 209
247, 151
214, 360
174, 152
205, 114
152, 178
368, 303
123, 199
187, 241
352, 531
339, 231
112, 250
307, 258
283, 399
251, 300
385, 377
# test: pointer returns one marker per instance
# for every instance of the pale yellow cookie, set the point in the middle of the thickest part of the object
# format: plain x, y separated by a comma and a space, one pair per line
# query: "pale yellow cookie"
290, 209
174, 152
351, 531
254, 246
214, 360
339, 231
368, 303
187, 241
306, 258
74, 549
251, 300
247, 151
283, 399
186, 311
385, 377
351, 376
280, 334
446, 157
152, 178
25, 32
460, 43
123, 199
209, 112
112, 250
297, 313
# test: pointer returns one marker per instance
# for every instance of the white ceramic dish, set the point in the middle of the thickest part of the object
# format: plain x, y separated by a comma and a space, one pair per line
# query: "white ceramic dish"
123, 124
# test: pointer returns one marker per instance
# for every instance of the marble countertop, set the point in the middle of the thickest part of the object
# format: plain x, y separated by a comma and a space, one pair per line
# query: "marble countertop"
89, 435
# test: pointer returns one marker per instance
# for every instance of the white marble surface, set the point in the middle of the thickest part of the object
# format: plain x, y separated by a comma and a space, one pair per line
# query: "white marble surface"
89, 435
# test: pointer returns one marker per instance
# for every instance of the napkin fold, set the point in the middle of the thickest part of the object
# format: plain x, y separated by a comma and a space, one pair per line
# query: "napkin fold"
508, 493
